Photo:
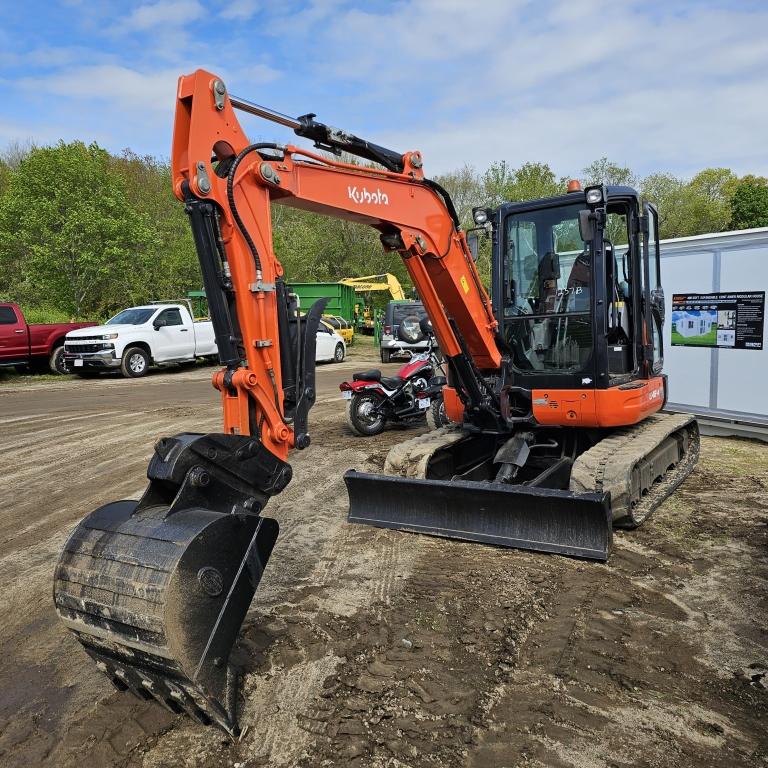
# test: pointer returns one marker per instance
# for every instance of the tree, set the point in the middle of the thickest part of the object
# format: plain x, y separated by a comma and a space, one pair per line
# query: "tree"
165, 266
749, 204
465, 189
66, 225
671, 196
603, 171
528, 182
709, 203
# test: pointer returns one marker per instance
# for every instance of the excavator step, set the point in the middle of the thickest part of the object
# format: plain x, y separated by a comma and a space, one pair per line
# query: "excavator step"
539, 519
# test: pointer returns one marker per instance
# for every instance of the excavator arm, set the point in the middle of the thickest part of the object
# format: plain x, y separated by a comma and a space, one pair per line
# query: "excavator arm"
156, 590
385, 282
216, 169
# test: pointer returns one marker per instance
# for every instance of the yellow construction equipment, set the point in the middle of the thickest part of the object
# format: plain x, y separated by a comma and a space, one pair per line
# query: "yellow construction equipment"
370, 284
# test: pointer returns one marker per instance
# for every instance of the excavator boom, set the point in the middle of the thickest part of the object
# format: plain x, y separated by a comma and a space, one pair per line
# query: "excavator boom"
385, 282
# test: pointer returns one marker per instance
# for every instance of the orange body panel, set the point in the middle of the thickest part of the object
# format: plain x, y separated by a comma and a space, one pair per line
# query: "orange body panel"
613, 407
454, 408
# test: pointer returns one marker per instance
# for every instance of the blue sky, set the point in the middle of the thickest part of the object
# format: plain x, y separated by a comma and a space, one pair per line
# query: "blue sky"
673, 86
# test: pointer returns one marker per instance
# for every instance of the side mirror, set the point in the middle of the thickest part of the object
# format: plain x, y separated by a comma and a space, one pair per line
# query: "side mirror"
158, 324
473, 241
425, 324
586, 226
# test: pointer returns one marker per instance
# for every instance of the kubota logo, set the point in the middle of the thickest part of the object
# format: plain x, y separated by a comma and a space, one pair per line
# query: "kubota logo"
364, 196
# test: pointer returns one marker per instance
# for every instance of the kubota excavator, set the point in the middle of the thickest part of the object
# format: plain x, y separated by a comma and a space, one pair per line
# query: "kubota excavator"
555, 386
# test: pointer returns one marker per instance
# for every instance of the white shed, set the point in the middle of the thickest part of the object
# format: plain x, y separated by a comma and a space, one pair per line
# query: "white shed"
720, 383
693, 325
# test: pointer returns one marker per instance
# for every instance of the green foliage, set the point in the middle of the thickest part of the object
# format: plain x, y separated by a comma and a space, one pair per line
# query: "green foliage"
709, 204
528, 182
671, 195
44, 314
603, 171
66, 231
84, 233
749, 204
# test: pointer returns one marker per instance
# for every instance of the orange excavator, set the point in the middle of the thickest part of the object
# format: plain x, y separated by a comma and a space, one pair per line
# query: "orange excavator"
554, 387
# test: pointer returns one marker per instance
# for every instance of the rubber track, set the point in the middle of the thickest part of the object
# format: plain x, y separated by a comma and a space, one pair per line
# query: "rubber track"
410, 459
608, 465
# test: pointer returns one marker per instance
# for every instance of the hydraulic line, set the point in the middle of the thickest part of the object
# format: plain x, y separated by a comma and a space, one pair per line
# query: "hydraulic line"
233, 205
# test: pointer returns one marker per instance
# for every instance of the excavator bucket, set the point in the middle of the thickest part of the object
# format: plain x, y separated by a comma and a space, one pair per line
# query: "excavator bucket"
522, 517
156, 590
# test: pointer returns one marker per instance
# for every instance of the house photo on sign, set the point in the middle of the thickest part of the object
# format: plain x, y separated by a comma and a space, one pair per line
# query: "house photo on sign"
722, 320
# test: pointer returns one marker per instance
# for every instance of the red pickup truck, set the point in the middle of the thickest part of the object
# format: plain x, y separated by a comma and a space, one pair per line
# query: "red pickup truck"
41, 347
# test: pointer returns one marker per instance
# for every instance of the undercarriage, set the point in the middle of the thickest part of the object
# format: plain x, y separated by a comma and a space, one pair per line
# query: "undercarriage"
551, 490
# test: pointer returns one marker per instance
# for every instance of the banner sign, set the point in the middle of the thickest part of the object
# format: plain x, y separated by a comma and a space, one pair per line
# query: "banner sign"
723, 320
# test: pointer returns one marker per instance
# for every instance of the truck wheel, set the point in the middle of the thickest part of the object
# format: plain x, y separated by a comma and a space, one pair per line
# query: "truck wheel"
360, 418
56, 360
385, 355
338, 354
135, 363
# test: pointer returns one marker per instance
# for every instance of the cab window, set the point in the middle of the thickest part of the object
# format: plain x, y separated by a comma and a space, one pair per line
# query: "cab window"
547, 283
170, 317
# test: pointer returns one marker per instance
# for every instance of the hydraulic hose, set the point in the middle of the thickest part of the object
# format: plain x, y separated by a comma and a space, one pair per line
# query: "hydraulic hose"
231, 198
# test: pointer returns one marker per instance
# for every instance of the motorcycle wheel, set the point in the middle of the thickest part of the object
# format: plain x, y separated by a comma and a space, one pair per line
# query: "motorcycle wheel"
360, 418
436, 417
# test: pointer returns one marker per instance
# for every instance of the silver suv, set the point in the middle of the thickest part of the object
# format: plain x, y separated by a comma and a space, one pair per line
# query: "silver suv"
401, 329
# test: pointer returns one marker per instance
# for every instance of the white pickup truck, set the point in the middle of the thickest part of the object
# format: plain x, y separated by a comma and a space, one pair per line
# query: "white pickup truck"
134, 339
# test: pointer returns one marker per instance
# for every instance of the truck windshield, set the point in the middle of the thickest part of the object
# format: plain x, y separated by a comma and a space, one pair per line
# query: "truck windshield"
547, 282
131, 317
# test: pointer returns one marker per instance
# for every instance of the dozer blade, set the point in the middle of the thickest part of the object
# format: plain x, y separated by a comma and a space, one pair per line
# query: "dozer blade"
156, 590
540, 519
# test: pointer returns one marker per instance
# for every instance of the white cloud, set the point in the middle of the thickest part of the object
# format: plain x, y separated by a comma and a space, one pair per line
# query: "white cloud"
666, 85
659, 87
240, 10
127, 91
166, 13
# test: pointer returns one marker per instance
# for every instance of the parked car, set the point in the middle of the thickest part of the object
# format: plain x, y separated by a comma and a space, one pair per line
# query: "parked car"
138, 337
39, 346
330, 345
401, 329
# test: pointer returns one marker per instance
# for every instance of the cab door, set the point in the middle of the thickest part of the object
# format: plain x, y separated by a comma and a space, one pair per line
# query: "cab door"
652, 278
14, 336
177, 338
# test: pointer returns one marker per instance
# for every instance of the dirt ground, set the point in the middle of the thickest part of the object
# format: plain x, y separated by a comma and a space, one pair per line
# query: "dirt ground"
366, 647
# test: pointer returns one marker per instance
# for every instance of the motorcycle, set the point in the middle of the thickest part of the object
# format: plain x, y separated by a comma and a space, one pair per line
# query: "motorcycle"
410, 396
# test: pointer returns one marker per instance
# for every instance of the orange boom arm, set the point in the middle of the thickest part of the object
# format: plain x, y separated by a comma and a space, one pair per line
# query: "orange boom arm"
211, 161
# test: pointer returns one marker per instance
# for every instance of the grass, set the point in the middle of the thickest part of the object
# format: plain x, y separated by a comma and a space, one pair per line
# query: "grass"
707, 340
12, 378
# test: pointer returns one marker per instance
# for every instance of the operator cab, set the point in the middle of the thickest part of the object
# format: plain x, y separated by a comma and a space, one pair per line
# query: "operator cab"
569, 278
